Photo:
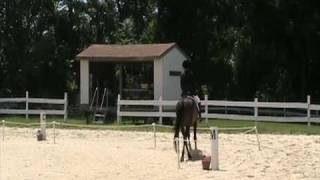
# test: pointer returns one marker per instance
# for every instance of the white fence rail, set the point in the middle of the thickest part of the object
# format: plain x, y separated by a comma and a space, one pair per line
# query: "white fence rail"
29, 100
207, 104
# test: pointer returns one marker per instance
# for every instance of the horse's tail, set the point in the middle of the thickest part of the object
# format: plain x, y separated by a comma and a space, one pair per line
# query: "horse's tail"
179, 113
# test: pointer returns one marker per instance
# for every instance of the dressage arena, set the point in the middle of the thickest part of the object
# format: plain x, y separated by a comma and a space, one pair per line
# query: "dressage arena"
107, 154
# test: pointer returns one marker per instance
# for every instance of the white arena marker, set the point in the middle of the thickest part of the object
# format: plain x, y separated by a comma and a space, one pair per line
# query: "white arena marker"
178, 150
54, 132
43, 125
154, 135
214, 148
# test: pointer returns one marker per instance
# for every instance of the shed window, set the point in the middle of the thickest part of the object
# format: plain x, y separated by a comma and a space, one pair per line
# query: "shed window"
175, 73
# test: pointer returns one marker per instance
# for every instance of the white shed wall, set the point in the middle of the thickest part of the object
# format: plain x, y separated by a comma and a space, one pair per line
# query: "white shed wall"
172, 61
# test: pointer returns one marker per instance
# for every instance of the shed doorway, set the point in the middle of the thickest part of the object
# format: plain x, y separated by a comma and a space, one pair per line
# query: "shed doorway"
130, 80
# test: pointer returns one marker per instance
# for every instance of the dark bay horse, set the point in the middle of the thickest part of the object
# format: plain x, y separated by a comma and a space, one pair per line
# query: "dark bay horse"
187, 115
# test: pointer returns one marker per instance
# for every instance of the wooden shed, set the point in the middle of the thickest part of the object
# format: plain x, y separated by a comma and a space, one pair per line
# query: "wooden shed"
164, 61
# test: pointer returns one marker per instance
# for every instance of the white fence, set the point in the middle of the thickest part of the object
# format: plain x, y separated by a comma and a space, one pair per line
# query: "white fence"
206, 104
27, 100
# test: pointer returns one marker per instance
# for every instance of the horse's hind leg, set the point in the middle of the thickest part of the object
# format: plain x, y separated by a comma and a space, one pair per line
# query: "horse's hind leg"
195, 135
188, 136
185, 145
177, 126
176, 135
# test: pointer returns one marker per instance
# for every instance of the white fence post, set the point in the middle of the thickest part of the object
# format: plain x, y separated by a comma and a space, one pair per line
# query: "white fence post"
214, 148
160, 110
206, 108
118, 110
308, 110
27, 104
65, 106
255, 111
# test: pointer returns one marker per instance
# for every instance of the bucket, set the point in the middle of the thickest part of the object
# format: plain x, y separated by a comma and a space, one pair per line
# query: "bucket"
206, 162
39, 135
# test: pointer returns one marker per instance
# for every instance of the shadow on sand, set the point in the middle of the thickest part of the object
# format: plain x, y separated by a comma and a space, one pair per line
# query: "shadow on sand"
196, 154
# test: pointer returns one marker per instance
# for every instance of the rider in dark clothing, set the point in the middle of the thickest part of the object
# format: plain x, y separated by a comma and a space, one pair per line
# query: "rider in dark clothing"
187, 82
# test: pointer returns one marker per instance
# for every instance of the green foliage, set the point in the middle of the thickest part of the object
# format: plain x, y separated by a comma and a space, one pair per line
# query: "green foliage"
125, 33
256, 47
239, 49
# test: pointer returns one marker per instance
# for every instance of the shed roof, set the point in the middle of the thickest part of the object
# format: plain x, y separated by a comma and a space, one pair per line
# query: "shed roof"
136, 52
